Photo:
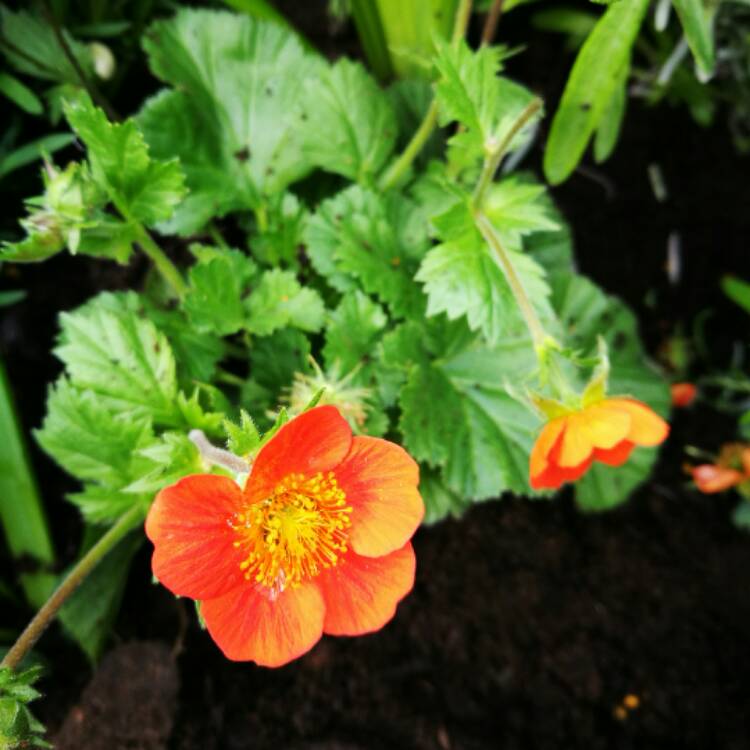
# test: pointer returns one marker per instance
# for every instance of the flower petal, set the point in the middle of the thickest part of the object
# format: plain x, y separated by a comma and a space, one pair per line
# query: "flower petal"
248, 626
538, 460
711, 479
605, 427
194, 553
316, 440
616, 456
575, 445
594, 427
555, 476
380, 481
745, 461
646, 427
361, 593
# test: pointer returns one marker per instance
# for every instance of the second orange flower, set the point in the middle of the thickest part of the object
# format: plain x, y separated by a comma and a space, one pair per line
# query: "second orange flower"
607, 431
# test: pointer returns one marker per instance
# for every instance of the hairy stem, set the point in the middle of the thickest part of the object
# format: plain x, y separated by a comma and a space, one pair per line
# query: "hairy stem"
490, 25
496, 150
399, 167
165, 266
536, 329
416, 144
83, 567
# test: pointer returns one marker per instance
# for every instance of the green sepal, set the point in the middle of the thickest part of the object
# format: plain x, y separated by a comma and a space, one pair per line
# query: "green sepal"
243, 439
596, 389
549, 407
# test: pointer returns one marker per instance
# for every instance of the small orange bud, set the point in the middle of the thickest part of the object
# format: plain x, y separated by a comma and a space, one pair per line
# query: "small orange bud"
683, 394
620, 713
631, 702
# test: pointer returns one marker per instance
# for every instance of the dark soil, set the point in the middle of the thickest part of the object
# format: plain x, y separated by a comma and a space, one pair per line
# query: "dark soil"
129, 703
529, 623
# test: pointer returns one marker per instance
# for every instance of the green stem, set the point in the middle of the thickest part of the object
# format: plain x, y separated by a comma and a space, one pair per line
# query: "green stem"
216, 236
229, 378
536, 329
83, 567
85, 81
461, 21
165, 266
496, 150
261, 216
394, 173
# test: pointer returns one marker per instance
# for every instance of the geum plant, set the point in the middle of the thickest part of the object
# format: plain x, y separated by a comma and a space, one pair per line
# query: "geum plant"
433, 302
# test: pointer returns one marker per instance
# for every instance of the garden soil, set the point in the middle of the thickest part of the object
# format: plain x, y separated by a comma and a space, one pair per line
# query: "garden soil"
530, 624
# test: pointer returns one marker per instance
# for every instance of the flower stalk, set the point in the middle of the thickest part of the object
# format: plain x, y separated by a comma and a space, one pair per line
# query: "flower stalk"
44, 617
163, 264
538, 335
496, 151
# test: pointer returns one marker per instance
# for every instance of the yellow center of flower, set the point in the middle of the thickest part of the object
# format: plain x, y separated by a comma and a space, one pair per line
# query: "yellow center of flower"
294, 534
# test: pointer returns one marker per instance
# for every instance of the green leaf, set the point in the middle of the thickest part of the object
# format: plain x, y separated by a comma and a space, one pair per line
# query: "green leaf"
411, 100
30, 45
737, 290
276, 358
18, 727
21, 510
20, 94
471, 92
234, 118
280, 242
279, 300
96, 446
518, 207
353, 329
353, 123
432, 409
462, 277
214, 179
195, 352
456, 414
360, 238
244, 438
88, 615
217, 283
741, 515
195, 410
31, 152
593, 82
111, 348
439, 501
87, 440
11, 296
141, 188
696, 17
608, 130
171, 457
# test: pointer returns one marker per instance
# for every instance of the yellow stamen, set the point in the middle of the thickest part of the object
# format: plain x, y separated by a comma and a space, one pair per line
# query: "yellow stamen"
294, 534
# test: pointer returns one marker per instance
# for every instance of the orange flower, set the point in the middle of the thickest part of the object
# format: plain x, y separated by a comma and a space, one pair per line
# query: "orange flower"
605, 431
683, 394
711, 479
318, 541
732, 468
